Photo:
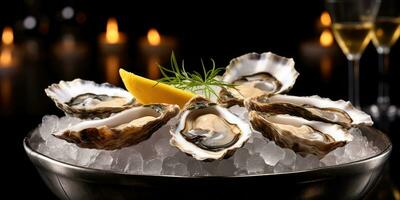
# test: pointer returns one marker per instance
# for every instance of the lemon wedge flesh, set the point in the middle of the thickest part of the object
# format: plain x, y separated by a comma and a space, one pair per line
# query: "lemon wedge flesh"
149, 91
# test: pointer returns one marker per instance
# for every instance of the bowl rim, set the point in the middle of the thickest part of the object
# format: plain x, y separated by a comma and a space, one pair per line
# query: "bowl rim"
384, 154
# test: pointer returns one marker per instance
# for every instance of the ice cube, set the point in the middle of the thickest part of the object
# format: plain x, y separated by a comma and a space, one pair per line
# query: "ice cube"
135, 164
180, 169
272, 154
102, 161
258, 144
147, 150
354, 149
66, 122
255, 164
289, 159
279, 168
210, 167
312, 161
121, 158
301, 163
329, 159
182, 157
226, 167
172, 166
48, 126
86, 156
152, 167
70, 153
169, 165
240, 158
195, 168
164, 149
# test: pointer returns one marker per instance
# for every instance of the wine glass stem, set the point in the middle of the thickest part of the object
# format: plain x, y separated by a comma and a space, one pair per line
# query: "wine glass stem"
383, 86
354, 82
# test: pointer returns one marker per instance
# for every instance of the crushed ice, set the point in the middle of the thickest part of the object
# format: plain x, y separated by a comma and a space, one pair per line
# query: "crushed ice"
156, 157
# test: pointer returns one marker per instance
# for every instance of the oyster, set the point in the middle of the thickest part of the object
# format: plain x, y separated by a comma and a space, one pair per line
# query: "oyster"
87, 99
122, 129
311, 108
299, 134
256, 74
208, 131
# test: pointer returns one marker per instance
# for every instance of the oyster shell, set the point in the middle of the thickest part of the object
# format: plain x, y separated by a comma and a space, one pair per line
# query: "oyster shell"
299, 134
311, 108
208, 131
256, 74
87, 99
122, 129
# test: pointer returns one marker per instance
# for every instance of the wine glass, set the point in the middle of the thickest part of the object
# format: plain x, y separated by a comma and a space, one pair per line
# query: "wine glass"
352, 28
385, 33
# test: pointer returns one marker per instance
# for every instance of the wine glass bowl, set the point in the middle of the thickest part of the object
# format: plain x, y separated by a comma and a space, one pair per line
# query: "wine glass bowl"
385, 33
352, 27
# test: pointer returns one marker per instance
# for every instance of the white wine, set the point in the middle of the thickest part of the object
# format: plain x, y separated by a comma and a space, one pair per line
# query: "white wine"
386, 31
352, 37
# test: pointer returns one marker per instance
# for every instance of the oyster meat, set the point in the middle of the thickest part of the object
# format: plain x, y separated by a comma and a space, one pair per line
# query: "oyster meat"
311, 108
208, 131
87, 99
299, 134
255, 74
122, 129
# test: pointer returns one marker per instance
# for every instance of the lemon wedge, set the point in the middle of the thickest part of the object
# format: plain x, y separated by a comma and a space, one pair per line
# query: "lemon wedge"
149, 91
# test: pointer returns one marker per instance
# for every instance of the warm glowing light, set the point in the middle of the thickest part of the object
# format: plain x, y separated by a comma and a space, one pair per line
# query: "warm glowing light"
112, 64
325, 19
396, 193
5, 57
5, 94
326, 67
112, 34
326, 38
153, 72
8, 36
153, 37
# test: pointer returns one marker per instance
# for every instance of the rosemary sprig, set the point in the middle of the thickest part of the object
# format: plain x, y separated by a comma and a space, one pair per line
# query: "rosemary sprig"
193, 81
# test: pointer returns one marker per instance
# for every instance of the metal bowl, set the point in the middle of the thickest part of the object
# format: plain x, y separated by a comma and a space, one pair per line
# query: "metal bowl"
347, 181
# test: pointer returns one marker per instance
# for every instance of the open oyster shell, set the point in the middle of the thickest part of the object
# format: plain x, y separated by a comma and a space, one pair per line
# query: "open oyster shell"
311, 108
256, 74
208, 131
122, 129
299, 134
87, 99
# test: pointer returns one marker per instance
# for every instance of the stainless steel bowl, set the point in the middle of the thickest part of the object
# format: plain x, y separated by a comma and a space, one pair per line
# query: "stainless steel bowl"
346, 181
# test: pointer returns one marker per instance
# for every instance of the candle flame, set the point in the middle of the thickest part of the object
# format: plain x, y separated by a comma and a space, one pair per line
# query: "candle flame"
153, 37
326, 38
112, 34
5, 57
8, 36
325, 19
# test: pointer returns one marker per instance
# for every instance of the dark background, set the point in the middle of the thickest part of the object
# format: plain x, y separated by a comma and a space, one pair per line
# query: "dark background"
202, 29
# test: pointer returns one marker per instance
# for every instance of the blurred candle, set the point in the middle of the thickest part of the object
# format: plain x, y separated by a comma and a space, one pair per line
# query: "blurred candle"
322, 50
112, 64
156, 49
112, 47
5, 93
8, 57
70, 55
8, 63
